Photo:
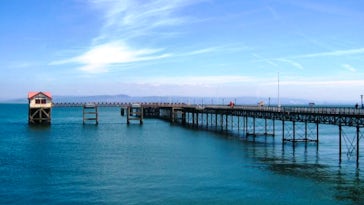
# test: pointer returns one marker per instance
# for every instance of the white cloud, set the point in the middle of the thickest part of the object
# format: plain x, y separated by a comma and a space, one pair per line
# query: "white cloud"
132, 18
124, 21
100, 57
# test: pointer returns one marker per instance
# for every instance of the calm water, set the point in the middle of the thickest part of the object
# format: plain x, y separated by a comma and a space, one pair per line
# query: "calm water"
158, 163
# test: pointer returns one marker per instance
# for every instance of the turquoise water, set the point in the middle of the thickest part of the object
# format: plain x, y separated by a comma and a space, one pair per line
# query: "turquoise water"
160, 163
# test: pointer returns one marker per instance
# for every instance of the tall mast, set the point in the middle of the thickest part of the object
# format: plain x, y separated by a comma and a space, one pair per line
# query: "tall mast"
279, 99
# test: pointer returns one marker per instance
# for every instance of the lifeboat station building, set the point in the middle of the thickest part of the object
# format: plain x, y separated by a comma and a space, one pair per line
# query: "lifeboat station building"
40, 106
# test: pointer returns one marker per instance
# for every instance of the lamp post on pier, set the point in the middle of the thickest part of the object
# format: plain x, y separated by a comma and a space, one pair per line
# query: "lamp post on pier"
361, 96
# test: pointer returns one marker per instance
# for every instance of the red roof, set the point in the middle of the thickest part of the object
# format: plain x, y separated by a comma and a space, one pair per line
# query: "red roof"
32, 94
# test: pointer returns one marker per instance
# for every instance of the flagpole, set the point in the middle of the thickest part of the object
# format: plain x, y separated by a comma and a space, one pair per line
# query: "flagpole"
279, 99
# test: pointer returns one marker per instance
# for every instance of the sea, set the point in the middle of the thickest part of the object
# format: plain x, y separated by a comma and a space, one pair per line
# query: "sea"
69, 162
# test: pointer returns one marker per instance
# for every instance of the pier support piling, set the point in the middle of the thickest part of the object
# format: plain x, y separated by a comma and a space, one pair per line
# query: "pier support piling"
90, 113
357, 145
340, 142
134, 112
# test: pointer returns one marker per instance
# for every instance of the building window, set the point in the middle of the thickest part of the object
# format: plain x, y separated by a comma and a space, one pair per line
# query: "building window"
40, 101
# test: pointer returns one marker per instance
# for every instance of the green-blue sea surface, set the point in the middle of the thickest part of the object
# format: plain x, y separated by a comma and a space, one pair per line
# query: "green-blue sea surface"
159, 163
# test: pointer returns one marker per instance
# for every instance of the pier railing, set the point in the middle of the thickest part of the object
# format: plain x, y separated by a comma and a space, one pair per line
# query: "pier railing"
306, 110
294, 109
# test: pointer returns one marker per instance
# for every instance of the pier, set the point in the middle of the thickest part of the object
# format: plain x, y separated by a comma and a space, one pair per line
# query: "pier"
297, 124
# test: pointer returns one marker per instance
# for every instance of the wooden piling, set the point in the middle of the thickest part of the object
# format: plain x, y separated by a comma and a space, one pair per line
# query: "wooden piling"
340, 142
134, 112
90, 113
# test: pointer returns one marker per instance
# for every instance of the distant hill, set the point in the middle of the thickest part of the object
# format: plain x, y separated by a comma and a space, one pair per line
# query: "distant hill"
15, 101
173, 99
94, 98
176, 99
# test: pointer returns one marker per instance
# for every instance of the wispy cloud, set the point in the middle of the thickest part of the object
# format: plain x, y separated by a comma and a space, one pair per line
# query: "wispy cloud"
292, 60
326, 8
100, 57
23, 64
132, 18
321, 83
226, 48
275, 62
356, 51
202, 51
266, 60
292, 63
124, 21
195, 80
349, 68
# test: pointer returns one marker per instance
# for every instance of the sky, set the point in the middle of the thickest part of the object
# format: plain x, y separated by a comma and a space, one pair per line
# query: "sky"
310, 49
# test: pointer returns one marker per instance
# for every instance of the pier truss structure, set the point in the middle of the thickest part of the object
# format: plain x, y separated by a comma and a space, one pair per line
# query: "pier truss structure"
293, 124
298, 124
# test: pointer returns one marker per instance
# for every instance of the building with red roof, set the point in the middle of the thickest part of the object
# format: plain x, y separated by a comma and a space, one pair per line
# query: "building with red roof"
40, 99
40, 104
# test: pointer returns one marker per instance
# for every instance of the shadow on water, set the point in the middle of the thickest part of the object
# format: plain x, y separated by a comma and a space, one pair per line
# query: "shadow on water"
349, 187
39, 131
39, 127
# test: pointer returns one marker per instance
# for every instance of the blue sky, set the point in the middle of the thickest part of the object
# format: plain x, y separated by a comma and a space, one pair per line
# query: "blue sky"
183, 47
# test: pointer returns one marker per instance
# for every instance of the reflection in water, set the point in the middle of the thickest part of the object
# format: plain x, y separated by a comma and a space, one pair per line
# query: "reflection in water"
349, 187
306, 164
315, 161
